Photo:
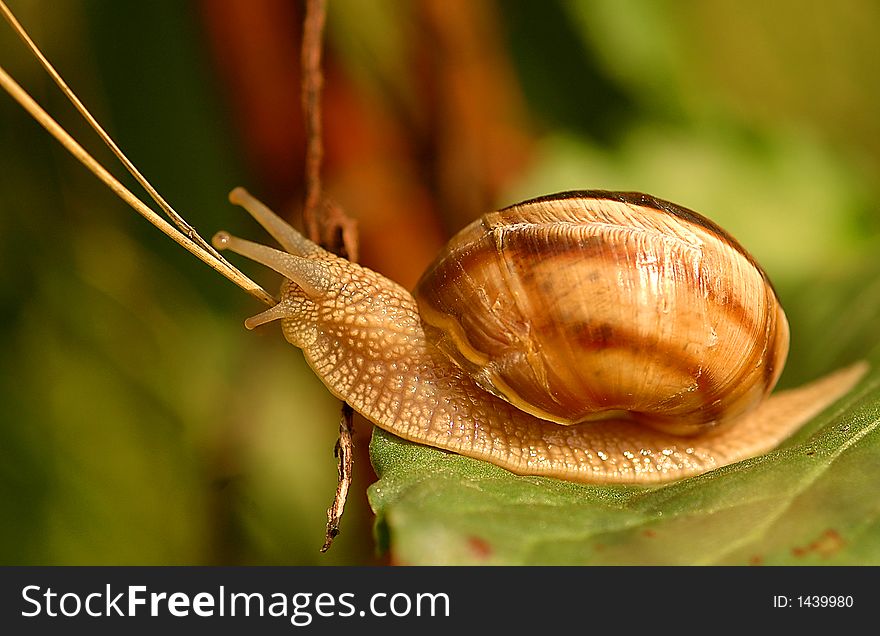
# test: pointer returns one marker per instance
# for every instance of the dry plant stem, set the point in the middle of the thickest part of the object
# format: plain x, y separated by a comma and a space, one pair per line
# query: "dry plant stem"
312, 82
340, 231
185, 236
326, 224
178, 220
221, 266
345, 456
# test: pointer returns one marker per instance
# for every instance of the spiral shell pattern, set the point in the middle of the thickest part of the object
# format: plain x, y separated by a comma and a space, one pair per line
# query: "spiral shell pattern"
588, 305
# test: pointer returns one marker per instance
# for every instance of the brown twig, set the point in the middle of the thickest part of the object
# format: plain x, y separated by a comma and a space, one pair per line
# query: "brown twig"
312, 83
344, 452
184, 235
339, 231
326, 224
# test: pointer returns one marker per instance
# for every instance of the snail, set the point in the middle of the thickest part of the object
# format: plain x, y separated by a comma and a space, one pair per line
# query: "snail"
592, 336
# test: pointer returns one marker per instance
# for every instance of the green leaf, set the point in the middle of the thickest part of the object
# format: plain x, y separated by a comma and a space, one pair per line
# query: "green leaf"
813, 502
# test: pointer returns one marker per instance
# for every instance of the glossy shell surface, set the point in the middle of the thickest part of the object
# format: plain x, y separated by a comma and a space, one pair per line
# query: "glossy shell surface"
583, 305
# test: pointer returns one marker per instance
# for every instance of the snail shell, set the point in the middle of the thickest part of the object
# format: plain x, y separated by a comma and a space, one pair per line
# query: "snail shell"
583, 303
536, 320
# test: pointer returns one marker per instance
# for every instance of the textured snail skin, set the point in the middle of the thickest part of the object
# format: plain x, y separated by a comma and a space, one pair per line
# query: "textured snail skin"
363, 336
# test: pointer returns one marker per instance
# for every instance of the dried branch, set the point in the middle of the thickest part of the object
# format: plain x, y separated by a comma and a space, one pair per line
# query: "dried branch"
344, 453
312, 83
326, 224
185, 235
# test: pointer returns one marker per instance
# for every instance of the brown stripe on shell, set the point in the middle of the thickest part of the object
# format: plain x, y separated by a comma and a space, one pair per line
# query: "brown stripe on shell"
646, 200
771, 371
770, 362
593, 247
714, 405
618, 337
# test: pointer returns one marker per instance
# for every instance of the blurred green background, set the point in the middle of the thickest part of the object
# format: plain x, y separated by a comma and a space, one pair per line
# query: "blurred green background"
141, 424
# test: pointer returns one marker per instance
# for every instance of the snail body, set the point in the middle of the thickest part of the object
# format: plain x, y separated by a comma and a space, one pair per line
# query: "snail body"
591, 336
